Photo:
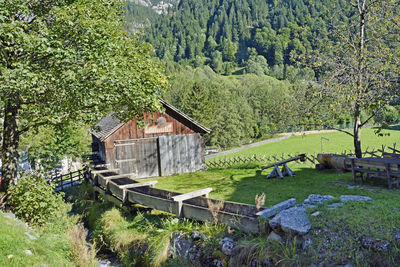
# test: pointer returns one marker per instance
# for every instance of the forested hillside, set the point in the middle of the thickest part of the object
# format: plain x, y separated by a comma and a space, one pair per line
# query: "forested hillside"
225, 34
210, 47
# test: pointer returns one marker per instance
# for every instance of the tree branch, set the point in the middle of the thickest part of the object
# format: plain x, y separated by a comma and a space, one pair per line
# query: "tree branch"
370, 117
330, 127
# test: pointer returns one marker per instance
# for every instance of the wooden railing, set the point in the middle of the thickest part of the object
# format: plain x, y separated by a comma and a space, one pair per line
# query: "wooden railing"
64, 181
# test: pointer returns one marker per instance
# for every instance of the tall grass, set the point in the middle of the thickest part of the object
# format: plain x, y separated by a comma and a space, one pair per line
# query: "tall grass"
82, 253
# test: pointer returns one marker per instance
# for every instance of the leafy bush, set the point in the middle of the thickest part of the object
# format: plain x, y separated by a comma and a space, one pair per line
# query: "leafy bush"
35, 201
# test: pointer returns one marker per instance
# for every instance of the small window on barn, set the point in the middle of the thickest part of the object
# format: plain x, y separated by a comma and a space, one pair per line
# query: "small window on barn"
161, 122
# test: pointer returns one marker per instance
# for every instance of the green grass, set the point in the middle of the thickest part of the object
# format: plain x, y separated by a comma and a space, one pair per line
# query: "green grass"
335, 233
311, 143
48, 249
242, 185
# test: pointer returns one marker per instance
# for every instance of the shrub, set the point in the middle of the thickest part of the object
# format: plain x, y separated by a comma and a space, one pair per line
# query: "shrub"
35, 201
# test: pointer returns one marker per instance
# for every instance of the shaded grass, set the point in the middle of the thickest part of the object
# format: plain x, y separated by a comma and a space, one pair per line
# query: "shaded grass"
337, 232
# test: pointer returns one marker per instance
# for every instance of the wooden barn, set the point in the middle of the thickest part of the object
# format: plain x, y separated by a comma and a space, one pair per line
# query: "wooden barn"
171, 143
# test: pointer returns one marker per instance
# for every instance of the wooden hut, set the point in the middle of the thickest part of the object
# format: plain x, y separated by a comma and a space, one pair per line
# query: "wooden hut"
171, 143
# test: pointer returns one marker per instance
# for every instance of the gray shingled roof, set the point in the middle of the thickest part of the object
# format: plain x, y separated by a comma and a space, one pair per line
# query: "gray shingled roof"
106, 126
109, 124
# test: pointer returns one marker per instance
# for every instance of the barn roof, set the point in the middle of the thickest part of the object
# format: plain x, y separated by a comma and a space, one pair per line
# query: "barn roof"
109, 124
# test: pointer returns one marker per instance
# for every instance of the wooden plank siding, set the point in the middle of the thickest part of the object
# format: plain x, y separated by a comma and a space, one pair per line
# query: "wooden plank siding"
130, 130
159, 156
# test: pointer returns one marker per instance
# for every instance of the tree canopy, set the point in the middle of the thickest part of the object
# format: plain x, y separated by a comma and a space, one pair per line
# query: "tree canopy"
69, 59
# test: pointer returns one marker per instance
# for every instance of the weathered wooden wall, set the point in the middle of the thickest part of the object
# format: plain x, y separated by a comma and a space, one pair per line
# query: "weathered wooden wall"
180, 154
159, 156
139, 157
131, 130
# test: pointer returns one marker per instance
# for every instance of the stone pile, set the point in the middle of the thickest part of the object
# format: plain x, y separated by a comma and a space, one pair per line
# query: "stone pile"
293, 219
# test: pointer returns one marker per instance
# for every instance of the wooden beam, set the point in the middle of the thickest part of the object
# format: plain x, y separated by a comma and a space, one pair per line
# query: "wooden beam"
126, 186
300, 156
105, 171
193, 194
128, 175
100, 165
125, 160
179, 198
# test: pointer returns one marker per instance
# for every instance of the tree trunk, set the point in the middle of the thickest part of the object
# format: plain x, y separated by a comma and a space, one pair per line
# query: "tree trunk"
357, 133
357, 108
9, 155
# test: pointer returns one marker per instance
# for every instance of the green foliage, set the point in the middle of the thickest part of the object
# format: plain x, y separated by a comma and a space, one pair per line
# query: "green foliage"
48, 145
65, 61
387, 115
35, 201
236, 108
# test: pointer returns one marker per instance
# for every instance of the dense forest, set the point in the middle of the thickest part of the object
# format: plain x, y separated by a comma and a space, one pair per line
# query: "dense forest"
227, 34
240, 67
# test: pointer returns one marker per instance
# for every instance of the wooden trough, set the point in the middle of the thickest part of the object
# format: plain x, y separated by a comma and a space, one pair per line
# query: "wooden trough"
123, 190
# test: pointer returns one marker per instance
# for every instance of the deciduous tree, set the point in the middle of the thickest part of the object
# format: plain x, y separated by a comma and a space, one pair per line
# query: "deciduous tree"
362, 61
66, 60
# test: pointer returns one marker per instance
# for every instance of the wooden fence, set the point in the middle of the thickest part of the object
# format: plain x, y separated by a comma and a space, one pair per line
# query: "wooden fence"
64, 181
310, 157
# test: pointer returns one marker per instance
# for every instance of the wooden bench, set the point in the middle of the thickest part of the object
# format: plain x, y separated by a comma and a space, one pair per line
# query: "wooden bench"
387, 168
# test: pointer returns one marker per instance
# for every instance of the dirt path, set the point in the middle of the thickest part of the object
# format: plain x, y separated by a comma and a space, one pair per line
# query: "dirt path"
285, 136
227, 152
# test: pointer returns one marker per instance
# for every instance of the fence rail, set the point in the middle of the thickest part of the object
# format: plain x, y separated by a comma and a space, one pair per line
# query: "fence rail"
227, 162
64, 181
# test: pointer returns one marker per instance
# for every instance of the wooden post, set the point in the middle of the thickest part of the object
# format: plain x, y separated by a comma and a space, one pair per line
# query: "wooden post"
353, 170
388, 175
179, 198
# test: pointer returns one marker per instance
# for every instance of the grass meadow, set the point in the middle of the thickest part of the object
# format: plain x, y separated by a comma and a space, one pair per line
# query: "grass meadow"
336, 233
311, 143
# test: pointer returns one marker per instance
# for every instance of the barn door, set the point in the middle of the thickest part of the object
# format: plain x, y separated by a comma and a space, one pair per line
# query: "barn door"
180, 154
138, 156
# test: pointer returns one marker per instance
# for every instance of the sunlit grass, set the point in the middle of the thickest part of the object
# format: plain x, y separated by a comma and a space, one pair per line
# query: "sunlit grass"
311, 143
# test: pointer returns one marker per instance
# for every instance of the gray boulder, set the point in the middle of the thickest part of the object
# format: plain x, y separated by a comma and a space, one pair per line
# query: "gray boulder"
179, 246
31, 237
196, 235
9, 215
292, 220
217, 263
28, 252
270, 212
397, 239
346, 198
227, 246
374, 244
315, 214
317, 199
353, 186
110, 262
306, 243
